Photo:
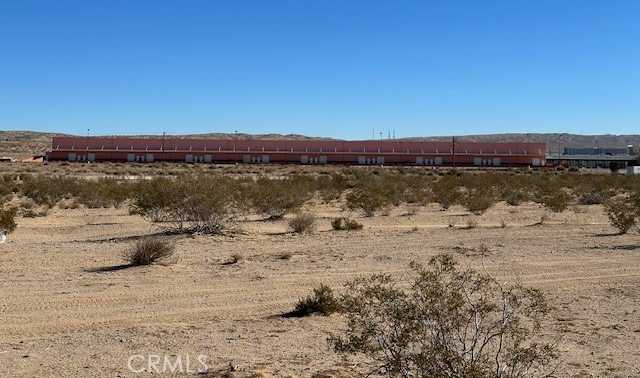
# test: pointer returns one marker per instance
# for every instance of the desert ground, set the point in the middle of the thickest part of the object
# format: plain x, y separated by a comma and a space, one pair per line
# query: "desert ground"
68, 310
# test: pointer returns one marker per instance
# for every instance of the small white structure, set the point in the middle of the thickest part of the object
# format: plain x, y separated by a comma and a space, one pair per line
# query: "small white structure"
633, 170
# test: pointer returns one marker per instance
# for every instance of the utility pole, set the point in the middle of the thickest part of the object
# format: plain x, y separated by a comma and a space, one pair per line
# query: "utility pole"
453, 151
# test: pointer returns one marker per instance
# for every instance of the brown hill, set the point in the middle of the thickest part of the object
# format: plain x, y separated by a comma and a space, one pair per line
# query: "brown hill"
22, 144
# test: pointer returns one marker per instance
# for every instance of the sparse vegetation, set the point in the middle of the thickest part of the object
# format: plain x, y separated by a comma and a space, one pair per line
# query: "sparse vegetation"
513, 197
345, 224
556, 201
592, 198
450, 323
322, 302
189, 205
471, 223
274, 198
478, 201
200, 202
622, 213
366, 200
303, 223
233, 259
428, 314
150, 250
7, 220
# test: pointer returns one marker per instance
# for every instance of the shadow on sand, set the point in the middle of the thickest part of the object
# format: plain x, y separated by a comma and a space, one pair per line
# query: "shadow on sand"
110, 268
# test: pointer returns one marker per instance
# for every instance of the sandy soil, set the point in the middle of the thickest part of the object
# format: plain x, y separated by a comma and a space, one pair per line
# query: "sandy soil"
60, 318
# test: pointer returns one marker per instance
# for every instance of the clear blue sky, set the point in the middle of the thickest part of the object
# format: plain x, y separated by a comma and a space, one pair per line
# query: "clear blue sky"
329, 68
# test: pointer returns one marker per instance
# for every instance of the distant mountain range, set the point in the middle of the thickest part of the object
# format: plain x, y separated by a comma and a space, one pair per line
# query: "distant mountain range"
26, 143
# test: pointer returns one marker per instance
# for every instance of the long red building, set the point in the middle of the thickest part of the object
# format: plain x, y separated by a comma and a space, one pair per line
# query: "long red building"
366, 152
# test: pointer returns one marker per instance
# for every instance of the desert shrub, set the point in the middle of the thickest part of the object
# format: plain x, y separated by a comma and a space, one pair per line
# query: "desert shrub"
331, 187
48, 191
34, 213
449, 323
622, 213
104, 193
152, 198
199, 213
150, 250
556, 201
592, 198
478, 201
513, 197
411, 211
275, 198
71, 203
7, 220
7, 186
345, 224
471, 223
44, 190
233, 259
322, 301
188, 205
302, 223
375, 190
446, 191
367, 200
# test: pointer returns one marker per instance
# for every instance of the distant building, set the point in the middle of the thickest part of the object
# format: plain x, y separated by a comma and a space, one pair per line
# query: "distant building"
595, 157
633, 170
366, 152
